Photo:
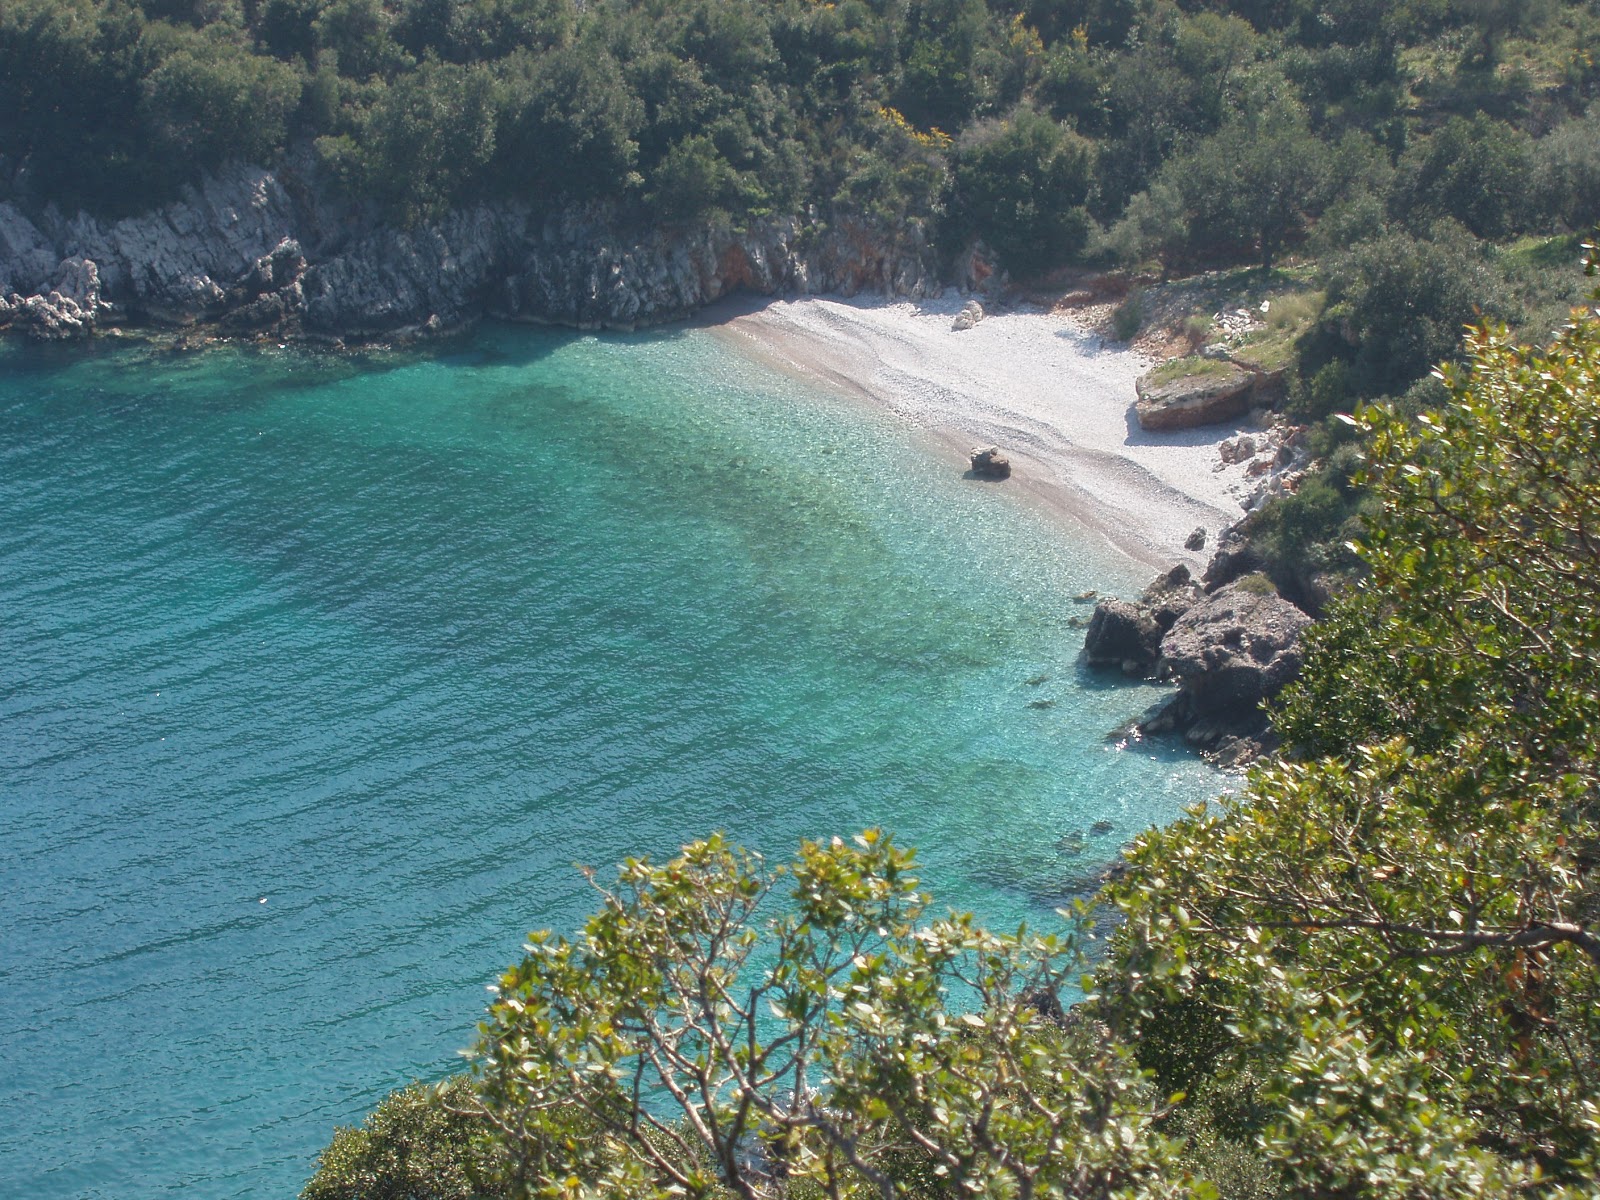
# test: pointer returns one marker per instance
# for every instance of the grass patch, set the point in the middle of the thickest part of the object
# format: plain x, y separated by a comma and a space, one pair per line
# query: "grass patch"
1545, 253
1192, 367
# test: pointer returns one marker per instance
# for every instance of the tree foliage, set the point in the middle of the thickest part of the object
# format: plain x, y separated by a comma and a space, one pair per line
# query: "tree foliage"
1395, 942
719, 1040
690, 110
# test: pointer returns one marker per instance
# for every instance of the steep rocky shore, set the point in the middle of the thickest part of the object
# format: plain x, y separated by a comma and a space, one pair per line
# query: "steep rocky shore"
262, 253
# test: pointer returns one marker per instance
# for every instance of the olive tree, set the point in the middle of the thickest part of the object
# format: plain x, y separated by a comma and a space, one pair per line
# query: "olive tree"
712, 1036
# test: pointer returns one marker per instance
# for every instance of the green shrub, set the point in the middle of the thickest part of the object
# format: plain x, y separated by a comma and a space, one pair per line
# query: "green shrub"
1023, 185
421, 1143
1128, 317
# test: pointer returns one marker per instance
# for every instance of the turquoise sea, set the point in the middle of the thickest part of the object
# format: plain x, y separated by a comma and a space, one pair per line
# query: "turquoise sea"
319, 674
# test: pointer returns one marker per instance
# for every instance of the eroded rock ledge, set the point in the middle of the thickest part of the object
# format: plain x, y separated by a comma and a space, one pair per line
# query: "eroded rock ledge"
256, 252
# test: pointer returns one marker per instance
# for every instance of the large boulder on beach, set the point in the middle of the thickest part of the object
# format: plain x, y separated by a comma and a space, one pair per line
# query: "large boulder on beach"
1222, 392
989, 463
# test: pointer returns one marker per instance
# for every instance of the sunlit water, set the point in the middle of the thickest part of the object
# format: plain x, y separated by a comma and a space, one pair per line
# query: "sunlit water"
317, 676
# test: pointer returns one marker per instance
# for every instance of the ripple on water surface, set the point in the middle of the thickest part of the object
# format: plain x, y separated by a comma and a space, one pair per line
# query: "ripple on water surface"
317, 675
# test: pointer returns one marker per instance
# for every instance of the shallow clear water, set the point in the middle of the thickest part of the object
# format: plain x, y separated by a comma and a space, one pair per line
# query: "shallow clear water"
318, 674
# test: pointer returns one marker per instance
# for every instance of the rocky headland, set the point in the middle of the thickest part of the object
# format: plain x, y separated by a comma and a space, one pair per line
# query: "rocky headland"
253, 252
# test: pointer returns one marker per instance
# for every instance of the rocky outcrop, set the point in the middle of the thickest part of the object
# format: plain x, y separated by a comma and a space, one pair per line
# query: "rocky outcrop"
1235, 557
1192, 400
1127, 634
1122, 634
218, 256
989, 463
1229, 653
66, 311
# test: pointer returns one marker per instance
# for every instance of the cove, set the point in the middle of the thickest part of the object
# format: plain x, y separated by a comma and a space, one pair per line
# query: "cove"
318, 674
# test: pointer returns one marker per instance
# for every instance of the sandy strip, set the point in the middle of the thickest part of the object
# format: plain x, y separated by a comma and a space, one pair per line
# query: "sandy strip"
1054, 397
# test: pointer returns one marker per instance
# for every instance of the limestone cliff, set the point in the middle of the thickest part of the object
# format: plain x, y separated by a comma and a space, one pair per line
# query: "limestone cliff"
258, 252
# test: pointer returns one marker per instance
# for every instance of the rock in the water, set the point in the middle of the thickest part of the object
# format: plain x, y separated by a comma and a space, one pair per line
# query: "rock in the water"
1123, 635
1193, 400
1231, 651
1234, 649
1196, 540
989, 463
1128, 635
68, 310
971, 313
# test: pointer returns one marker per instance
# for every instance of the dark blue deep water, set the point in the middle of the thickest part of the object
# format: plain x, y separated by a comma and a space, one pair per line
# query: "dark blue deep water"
317, 676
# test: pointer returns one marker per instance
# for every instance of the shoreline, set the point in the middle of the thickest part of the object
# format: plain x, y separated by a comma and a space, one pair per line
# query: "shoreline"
1053, 396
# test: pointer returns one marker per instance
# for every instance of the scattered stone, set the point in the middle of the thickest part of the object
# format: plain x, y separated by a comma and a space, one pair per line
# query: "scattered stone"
989, 463
1196, 540
1041, 703
1101, 828
1037, 680
971, 313
1085, 597
1237, 450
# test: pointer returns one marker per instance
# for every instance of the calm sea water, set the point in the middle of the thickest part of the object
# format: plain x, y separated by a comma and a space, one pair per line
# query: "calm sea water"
317, 676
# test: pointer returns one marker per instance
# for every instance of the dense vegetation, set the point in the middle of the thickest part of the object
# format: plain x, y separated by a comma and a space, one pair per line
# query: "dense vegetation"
1197, 131
1373, 973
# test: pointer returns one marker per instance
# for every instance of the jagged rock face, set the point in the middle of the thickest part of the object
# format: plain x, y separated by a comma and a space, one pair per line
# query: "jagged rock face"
201, 259
393, 280
1128, 634
67, 310
1188, 402
173, 266
1233, 558
1236, 648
